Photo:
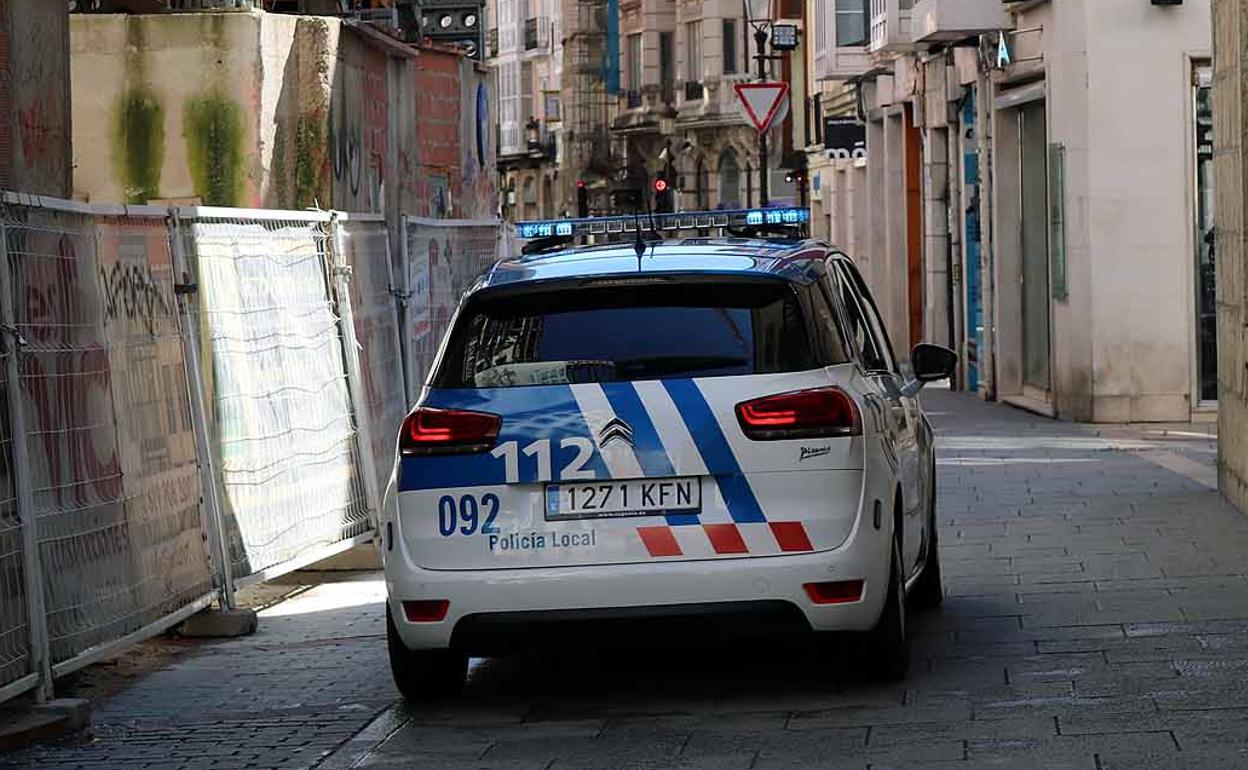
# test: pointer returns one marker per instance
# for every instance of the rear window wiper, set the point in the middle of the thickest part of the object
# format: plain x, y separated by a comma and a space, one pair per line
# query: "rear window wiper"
670, 364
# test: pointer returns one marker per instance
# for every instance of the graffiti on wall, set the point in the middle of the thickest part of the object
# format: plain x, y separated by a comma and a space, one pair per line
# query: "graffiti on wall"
131, 292
359, 130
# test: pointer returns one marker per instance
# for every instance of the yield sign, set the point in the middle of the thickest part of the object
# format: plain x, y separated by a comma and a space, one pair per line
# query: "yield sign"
762, 101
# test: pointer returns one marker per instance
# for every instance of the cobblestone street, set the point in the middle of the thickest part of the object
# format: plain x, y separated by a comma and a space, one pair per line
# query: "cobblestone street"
1096, 617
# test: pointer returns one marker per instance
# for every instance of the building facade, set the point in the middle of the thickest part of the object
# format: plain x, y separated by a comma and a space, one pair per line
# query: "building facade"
628, 91
263, 110
1037, 193
524, 48
35, 118
1230, 77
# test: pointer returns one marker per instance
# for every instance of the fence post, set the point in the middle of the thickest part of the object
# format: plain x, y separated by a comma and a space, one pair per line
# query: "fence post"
213, 522
404, 295
341, 272
32, 571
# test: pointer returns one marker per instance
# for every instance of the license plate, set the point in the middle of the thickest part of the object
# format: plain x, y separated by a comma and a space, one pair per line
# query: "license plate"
612, 499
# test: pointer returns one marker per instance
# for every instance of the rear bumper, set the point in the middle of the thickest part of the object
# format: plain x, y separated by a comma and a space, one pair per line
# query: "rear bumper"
493, 609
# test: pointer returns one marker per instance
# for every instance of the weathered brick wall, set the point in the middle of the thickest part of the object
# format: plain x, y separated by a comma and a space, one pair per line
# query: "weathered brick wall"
1230, 27
35, 151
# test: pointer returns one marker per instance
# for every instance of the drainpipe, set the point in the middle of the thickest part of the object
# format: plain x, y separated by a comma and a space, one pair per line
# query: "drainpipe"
983, 126
953, 224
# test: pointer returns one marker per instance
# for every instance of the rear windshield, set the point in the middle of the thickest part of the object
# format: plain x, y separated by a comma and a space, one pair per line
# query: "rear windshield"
638, 332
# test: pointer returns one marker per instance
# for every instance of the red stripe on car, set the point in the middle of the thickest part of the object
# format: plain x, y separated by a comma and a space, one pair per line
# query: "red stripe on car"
725, 538
660, 541
791, 536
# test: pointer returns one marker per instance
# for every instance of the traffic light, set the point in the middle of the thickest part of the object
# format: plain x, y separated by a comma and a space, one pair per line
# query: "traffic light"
662, 196
457, 22
582, 200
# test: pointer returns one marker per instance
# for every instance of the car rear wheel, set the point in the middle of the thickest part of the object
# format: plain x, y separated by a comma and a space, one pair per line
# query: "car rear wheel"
424, 675
885, 648
928, 592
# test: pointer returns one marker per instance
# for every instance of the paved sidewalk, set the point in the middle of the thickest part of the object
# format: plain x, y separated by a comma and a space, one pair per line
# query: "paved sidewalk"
313, 675
1097, 618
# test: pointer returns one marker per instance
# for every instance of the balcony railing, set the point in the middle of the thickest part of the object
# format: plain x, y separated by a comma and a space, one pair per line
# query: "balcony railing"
537, 34
543, 146
694, 91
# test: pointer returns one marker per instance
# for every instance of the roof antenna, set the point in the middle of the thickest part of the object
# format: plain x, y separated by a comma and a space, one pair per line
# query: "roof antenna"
639, 246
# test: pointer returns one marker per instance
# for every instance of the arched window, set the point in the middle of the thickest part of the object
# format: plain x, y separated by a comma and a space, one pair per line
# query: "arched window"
729, 181
530, 198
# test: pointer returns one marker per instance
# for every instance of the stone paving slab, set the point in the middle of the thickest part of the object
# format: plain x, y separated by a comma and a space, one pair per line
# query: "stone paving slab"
313, 675
1096, 617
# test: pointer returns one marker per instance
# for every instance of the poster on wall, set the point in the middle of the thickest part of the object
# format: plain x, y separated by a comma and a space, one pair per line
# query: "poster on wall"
444, 257
845, 138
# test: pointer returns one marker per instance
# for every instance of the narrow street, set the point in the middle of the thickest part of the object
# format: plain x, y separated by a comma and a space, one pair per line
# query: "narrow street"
1095, 617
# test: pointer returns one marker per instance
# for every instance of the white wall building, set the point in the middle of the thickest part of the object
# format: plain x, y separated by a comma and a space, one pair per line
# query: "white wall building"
1037, 193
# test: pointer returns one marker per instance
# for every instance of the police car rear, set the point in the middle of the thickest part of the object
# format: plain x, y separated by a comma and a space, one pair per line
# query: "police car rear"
613, 443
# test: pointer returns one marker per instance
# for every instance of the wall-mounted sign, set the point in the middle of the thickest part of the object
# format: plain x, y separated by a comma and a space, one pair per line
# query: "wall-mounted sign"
845, 137
1003, 51
784, 37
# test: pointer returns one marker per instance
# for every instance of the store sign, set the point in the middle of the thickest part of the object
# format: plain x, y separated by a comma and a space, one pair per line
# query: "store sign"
845, 138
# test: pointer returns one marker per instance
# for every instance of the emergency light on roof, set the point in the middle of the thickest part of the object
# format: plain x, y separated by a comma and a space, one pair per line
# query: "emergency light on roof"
684, 220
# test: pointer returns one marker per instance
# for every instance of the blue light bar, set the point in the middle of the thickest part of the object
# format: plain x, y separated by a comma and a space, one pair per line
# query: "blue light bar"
684, 220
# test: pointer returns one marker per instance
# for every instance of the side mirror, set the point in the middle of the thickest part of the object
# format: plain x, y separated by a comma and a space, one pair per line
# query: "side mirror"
929, 364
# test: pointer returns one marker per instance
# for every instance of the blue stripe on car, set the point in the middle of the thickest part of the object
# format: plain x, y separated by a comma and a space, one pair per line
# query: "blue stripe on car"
647, 445
529, 414
716, 452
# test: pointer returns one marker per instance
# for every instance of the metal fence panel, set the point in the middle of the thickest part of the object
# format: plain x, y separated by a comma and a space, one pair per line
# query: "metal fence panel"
277, 388
118, 531
441, 259
156, 441
366, 247
14, 636
97, 389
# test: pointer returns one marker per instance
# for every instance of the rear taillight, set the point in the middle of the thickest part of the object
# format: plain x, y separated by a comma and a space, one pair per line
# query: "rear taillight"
430, 611
448, 431
816, 413
839, 592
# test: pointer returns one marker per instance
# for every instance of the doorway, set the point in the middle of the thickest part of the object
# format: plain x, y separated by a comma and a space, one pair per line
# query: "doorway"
1206, 283
1034, 248
913, 154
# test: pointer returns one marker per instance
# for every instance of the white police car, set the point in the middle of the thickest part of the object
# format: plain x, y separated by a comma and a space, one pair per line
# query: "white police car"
713, 437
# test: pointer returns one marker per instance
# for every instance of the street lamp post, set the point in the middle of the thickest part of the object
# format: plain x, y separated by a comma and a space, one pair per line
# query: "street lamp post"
758, 14
760, 38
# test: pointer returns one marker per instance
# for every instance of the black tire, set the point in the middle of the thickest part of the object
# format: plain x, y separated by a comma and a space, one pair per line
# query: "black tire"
886, 649
424, 675
928, 593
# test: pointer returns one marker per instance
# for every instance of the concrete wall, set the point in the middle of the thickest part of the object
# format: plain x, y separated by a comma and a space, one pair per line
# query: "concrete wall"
1139, 216
168, 108
274, 111
1065, 44
35, 133
1229, 81
1118, 97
